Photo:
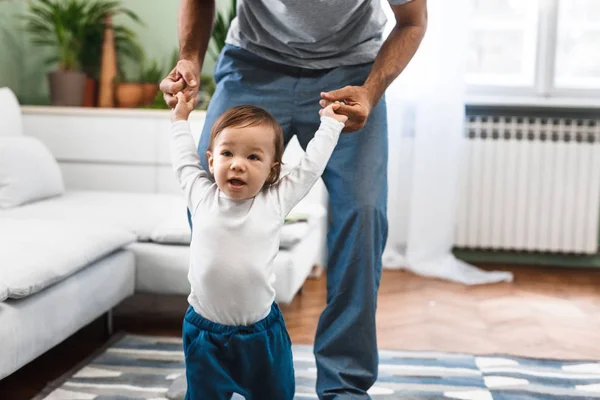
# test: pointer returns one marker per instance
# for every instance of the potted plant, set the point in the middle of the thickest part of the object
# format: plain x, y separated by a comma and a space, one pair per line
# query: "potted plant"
91, 52
220, 29
129, 93
151, 76
129, 86
61, 25
74, 30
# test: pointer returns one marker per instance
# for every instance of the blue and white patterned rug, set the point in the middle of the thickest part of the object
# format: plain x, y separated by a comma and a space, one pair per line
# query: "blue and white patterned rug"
140, 367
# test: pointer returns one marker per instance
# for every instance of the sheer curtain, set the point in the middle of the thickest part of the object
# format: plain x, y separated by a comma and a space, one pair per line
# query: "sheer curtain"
426, 136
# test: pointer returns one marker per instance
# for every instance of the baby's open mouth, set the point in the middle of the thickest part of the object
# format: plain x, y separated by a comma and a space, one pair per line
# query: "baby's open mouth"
236, 182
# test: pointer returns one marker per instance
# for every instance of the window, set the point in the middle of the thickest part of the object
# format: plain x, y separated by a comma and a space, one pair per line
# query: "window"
502, 42
546, 48
578, 44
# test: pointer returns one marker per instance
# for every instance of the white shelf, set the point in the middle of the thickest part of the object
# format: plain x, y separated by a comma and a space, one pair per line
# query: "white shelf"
105, 112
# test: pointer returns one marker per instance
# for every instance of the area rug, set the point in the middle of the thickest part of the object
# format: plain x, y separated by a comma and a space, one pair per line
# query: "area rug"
141, 367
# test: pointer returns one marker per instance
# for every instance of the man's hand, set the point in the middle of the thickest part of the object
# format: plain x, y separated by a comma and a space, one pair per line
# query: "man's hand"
185, 77
395, 53
354, 103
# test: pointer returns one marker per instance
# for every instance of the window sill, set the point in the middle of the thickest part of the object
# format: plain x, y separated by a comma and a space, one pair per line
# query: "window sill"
533, 102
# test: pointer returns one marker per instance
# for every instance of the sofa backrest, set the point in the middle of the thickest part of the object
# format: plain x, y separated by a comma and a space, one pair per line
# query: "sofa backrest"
11, 119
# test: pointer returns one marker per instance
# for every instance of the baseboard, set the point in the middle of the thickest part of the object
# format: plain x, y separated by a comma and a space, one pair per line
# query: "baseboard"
522, 258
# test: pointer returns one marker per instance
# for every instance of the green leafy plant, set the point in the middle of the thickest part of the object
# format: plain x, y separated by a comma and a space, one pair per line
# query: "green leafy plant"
207, 84
220, 28
207, 89
126, 44
152, 72
174, 57
75, 30
60, 25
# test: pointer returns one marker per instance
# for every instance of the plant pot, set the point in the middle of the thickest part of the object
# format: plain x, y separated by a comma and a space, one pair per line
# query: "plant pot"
90, 94
150, 90
66, 88
129, 95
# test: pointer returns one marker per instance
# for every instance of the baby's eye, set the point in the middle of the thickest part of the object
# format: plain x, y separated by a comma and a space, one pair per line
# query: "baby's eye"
253, 157
227, 153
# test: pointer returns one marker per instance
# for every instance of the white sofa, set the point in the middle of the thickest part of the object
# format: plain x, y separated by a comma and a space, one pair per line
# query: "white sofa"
69, 256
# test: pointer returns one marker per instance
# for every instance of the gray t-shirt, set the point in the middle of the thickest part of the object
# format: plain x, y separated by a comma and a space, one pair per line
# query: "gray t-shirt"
315, 34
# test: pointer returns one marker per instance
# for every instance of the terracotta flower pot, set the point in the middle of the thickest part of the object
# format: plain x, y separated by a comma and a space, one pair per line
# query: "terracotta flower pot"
90, 95
66, 88
129, 95
150, 90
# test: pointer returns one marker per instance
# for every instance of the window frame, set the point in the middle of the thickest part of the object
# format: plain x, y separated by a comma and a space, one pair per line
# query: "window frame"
543, 89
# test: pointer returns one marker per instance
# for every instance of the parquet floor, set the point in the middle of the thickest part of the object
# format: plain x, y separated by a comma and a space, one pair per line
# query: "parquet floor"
545, 312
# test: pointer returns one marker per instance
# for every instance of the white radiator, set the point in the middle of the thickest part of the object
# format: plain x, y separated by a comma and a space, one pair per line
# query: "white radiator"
532, 184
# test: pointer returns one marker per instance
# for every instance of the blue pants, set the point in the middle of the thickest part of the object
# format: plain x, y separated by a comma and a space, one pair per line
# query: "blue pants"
356, 179
254, 361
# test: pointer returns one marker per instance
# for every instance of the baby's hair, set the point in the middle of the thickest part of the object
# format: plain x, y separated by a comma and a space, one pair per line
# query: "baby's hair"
245, 116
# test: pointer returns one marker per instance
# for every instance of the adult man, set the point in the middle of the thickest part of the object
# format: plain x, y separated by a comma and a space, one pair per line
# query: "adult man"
293, 57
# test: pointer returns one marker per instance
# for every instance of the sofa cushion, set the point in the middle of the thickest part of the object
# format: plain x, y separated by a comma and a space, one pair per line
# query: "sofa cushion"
31, 326
292, 233
176, 230
11, 119
37, 253
3, 291
139, 213
28, 172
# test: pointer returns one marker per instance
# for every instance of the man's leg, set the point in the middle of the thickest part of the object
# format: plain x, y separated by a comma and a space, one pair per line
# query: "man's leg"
356, 178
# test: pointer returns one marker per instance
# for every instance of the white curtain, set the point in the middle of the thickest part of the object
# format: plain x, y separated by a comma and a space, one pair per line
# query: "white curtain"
426, 136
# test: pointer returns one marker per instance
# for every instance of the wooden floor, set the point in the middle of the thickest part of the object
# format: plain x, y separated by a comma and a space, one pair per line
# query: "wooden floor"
546, 312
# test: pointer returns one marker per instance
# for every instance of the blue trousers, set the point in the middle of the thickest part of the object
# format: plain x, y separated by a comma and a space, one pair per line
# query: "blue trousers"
356, 179
254, 361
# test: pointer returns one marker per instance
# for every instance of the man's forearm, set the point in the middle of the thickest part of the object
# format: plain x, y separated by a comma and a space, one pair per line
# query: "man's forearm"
195, 25
394, 55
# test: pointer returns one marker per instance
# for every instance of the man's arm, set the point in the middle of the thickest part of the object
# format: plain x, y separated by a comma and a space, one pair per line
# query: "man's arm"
194, 27
394, 55
399, 48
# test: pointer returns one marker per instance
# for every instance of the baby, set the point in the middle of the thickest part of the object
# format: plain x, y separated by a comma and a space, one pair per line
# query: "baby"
234, 336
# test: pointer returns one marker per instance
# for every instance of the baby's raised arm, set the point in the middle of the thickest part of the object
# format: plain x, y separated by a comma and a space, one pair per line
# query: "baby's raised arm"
192, 178
293, 186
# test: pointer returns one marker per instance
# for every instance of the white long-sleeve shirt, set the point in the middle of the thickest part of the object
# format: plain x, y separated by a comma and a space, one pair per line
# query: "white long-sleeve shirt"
234, 242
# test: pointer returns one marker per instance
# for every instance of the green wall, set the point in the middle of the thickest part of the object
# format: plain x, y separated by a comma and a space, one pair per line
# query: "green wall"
19, 72
22, 65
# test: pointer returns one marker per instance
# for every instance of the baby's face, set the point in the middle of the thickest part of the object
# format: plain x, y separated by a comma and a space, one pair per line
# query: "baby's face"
242, 159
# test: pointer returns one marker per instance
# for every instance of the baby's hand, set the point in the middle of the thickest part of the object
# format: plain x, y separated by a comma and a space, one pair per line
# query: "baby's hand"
329, 111
183, 108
